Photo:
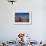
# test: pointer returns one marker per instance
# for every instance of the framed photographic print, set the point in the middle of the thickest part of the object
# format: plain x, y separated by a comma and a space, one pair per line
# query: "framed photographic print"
23, 18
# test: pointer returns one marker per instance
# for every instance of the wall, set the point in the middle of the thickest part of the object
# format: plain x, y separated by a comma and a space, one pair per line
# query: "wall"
9, 31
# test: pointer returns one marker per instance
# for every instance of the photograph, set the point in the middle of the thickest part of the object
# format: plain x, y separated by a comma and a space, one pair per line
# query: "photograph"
21, 17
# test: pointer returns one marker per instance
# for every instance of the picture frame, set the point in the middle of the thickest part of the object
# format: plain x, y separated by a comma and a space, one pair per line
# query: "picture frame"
23, 17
